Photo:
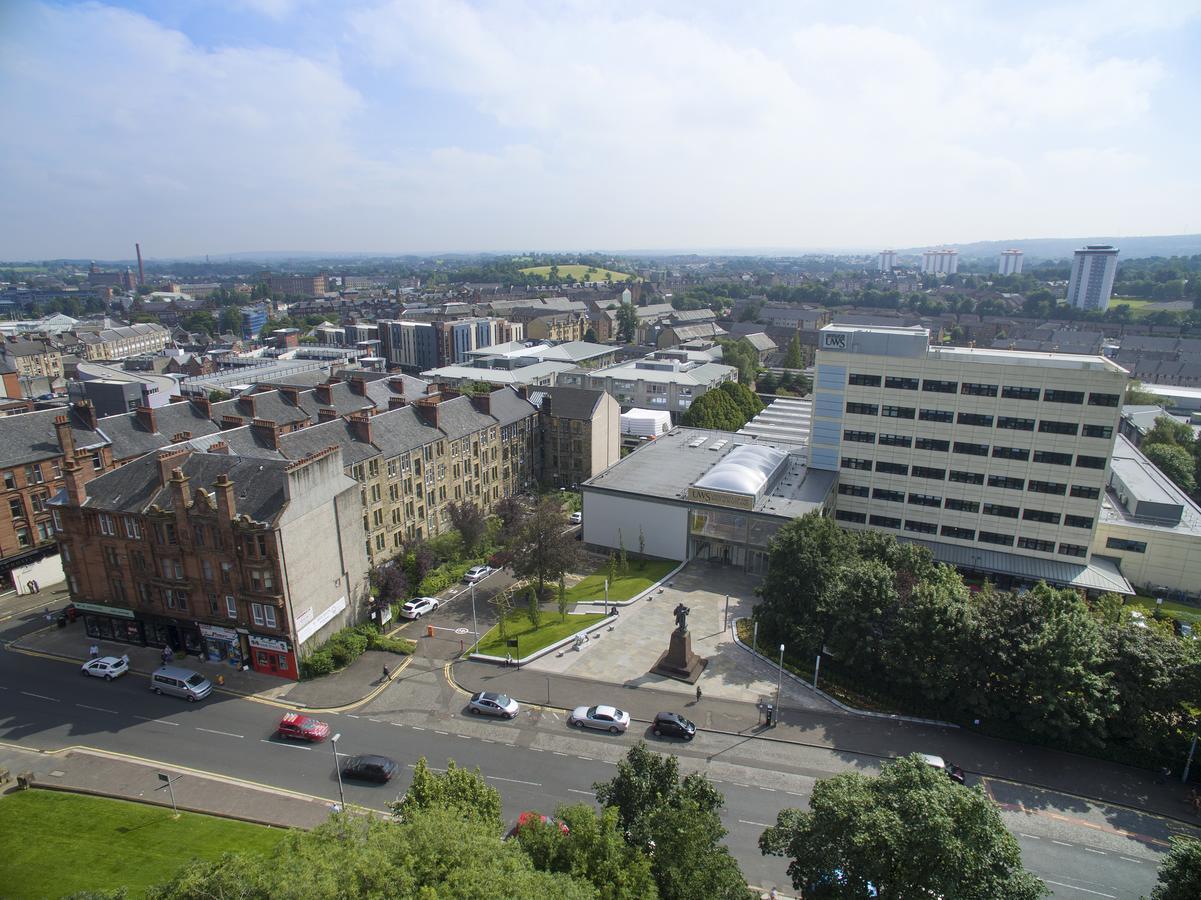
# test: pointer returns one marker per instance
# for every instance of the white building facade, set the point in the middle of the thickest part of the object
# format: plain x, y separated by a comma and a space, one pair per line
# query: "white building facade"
1093, 271
1010, 263
985, 451
888, 260
940, 262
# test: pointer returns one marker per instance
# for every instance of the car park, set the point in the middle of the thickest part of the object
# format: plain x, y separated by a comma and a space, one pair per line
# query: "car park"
602, 718
669, 724
476, 574
418, 607
106, 667
370, 768
298, 727
489, 703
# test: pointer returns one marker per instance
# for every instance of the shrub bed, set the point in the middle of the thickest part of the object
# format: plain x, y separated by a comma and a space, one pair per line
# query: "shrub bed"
347, 645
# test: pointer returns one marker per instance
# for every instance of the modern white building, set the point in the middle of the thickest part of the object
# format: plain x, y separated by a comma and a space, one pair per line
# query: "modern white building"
888, 260
996, 459
1010, 263
940, 262
1093, 271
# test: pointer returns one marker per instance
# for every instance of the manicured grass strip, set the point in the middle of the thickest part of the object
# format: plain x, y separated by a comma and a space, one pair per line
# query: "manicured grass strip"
625, 586
530, 638
55, 843
1182, 612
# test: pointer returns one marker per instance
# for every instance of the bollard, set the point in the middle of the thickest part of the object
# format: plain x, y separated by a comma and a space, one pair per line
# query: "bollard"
429, 630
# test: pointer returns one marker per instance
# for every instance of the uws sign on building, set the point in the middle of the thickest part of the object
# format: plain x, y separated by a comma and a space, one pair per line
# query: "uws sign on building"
834, 340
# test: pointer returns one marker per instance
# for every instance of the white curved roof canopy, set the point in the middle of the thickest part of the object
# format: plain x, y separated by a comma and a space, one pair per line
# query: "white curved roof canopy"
744, 470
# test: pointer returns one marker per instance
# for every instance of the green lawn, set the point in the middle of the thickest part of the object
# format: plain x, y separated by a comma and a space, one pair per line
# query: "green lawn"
578, 272
625, 586
531, 639
1133, 302
56, 843
1179, 611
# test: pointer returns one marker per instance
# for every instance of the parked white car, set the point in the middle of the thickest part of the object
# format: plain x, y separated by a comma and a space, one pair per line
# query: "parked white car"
576, 518
418, 607
106, 667
603, 718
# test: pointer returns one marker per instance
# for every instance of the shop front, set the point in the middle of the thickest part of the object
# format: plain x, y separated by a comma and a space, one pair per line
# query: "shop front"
272, 656
111, 623
221, 644
182, 637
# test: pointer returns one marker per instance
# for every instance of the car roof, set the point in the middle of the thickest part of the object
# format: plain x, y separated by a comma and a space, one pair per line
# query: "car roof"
372, 760
608, 710
108, 659
674, 716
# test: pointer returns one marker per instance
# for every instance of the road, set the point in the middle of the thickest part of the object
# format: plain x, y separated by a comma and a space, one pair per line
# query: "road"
1080, 849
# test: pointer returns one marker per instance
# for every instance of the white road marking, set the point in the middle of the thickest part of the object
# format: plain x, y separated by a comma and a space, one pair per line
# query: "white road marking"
418, 728
557, 753
225, 733
770, 790
97, 708
443, 733
1128, 859
514, 780
283, 744
756, 824
40, 696
585, 758
535, 749
1091, 850
486, 741
1060, 843
793, 794
578, 791
465, 737
351, 716
1033, 837
159, 721
1085, 890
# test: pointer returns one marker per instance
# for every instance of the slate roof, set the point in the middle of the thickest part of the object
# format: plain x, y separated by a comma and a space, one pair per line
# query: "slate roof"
458, 418
31, 437
379, 391
507, 406
335, 433
130, 438
760, 341
258, 484
568, 402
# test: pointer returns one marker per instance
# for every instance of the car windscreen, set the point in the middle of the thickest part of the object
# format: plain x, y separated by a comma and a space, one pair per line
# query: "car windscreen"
196, 680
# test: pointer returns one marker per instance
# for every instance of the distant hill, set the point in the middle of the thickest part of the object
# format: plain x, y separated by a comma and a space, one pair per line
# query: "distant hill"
578, 272
1061, 248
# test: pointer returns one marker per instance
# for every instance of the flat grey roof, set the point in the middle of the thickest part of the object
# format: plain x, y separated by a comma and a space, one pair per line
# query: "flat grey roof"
1148, 484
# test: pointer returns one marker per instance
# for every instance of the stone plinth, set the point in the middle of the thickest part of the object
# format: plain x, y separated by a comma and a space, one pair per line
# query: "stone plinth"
678, 661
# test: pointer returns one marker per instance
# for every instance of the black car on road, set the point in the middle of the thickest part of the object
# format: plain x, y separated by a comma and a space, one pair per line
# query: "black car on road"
370, 768
669, 724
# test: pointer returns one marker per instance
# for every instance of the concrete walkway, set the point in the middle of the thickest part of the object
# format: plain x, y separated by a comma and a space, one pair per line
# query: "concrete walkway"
109, 775
625, 652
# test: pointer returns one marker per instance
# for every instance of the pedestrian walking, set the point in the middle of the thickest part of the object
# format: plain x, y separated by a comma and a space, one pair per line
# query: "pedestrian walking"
698, 693
386, 673
93, 651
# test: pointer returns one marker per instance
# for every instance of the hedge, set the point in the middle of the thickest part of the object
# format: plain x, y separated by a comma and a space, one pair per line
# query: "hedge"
439, 579
347, 645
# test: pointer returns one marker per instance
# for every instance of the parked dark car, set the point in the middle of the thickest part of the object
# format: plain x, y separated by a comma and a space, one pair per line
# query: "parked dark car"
370, 768
669, 724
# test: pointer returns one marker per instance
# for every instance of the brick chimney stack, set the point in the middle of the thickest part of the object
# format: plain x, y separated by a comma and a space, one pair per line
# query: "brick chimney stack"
326, 414
203, 406
86, 411
324, 393
246, 405
396, 403
358, 385
228, 422
218, 447
223, 487
360, 426
266, 431
427, 408
179, 489
169, 460
66, 440
290, 394
482, 402
73, 480
146, 418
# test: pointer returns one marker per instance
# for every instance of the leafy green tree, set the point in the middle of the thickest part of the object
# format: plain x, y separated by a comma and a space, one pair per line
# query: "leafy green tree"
216, 395
592, 849
435, 853
741, 356
678, 820
1175, 462
231, 320
469, 520
792, 356
767, 383
533, 607
1136, 395
627, 322
748, 403
714, 409
502, 605
201, 320
543, 550
1167, 430
1180, 872
909, 832
463, 792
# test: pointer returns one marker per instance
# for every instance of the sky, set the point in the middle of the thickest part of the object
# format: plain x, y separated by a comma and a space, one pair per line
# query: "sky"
425, 126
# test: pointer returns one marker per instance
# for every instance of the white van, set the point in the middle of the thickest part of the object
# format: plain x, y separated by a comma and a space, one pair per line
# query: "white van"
179, 682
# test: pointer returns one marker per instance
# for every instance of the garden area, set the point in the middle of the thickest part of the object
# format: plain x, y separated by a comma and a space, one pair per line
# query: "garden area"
530, 637
639, 575
60, 843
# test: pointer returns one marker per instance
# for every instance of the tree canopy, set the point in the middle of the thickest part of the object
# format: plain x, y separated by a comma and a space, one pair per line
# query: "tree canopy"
543, 551
1180, 872
908, 832
715, 409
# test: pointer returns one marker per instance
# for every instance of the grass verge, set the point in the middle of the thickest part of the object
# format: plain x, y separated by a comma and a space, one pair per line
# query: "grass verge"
59, 843
531, 639
1182, 612
625, 586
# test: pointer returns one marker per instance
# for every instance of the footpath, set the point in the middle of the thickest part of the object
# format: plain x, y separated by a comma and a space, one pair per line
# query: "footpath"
109, 775
847, 735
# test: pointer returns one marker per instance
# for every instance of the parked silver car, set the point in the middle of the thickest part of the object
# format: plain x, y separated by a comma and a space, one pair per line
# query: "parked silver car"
603, 718
488, 703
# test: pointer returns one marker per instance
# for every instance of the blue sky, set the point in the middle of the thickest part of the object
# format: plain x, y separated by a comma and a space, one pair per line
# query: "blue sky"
412, 126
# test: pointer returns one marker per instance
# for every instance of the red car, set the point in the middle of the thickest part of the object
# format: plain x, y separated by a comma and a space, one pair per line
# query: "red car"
528, 818
302, 728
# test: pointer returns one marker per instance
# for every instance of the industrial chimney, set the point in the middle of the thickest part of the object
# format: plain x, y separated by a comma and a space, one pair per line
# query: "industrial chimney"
141, 272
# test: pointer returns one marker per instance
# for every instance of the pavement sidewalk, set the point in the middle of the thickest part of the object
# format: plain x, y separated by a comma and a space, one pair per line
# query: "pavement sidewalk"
109, 775
854, 736
358, 682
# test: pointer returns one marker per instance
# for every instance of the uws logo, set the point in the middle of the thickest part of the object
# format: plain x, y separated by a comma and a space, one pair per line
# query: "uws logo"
834, 341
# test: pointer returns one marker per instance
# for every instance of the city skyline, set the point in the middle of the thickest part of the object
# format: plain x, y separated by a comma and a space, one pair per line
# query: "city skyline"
390, 128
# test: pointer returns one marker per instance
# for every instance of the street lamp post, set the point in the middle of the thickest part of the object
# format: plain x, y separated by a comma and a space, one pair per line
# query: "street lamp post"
475, 625
333, 743
779, 682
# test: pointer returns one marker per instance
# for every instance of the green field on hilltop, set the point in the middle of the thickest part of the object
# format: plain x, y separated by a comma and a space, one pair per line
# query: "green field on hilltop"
58, 843
578, 272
